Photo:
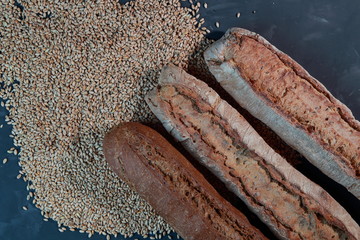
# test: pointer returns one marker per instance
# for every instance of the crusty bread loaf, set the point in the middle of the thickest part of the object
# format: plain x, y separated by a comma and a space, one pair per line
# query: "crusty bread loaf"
172, 186
279, 92
219, 137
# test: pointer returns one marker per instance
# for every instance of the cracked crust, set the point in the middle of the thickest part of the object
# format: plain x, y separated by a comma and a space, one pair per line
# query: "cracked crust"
279, 92
221, 139
172, 186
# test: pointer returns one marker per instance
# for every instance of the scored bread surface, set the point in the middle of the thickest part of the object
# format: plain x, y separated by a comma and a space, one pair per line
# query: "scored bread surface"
279, 92
220, 138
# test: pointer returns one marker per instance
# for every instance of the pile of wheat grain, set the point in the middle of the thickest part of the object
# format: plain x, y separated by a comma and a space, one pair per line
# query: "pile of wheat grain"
70, 72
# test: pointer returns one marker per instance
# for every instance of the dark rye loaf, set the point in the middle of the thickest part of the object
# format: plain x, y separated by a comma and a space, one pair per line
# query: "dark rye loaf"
279, 92
172, 186
221, 139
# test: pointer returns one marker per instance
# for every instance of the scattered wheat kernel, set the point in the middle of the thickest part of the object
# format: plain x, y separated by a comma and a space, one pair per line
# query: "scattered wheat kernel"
217, 24
5, 160
69, 107
18, 176
238, 14
24, 208
205, 5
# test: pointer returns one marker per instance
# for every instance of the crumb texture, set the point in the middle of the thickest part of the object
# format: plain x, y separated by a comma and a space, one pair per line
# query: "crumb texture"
287, 208
299, 99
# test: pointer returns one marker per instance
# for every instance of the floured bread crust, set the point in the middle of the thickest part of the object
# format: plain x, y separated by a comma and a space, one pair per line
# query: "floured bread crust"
219, 137
279, 92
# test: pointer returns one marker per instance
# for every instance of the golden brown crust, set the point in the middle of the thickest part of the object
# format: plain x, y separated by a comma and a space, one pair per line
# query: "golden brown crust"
278, 91
220, 138
172, 186
300, 97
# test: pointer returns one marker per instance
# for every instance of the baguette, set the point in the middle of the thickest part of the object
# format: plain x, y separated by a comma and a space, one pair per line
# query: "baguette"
172, 186
223, 141
279, 92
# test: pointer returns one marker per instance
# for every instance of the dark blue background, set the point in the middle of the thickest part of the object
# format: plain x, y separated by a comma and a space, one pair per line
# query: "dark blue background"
322, 35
